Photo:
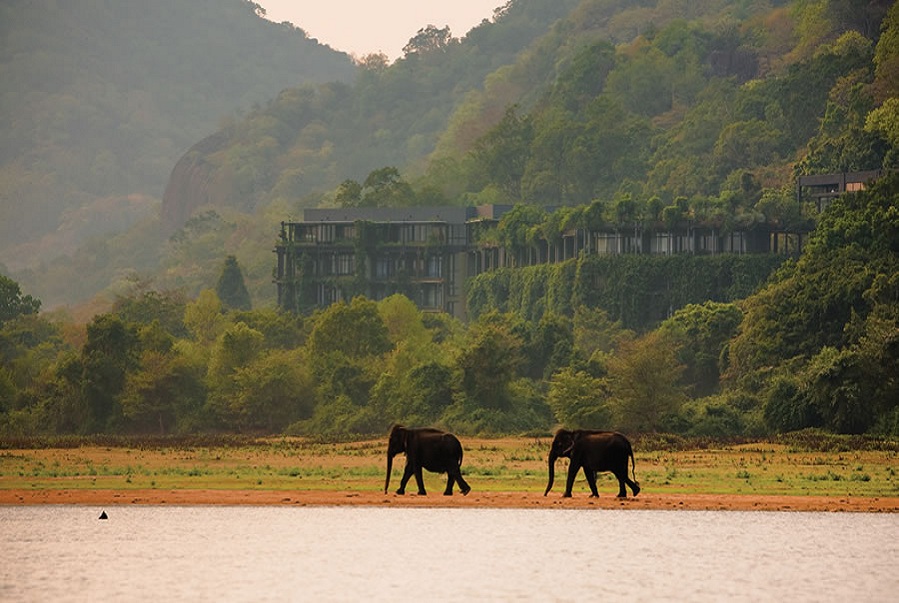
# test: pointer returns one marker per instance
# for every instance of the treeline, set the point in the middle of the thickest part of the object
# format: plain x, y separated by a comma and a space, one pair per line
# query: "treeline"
816, 346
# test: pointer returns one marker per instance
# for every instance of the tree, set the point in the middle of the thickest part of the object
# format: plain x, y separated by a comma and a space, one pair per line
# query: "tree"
110, 353
644, 383
579, 400
346, 349
594, 331
272, 392
502, 154
349, 194
489, 363
428, 39
203, 317
166, 391
700, 334
238, 346
13, 303
165, 307
231, 289
355, 329
385, 187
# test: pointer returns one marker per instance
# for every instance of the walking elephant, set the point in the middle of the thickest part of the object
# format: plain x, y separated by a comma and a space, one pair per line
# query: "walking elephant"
426, 448
594, 451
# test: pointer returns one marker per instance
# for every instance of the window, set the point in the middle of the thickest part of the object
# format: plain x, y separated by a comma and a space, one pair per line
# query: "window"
432, 296
346, 232
325, 233
382, 267
346, 263
435, 266
458, 234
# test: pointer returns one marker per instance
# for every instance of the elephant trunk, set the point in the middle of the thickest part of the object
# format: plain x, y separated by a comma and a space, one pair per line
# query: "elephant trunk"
389, 468
552, 471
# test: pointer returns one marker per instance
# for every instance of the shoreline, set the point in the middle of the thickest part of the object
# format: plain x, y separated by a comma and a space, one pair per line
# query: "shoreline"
475, 500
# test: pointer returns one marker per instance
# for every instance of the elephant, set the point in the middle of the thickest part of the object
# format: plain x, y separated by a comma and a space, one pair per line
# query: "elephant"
594, 451
426, 448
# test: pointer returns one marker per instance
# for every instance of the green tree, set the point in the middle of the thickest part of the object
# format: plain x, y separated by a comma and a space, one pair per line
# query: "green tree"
594, 331
238, 346
203, 317
428, 40
349, 194
272, 392
644, 383
13, 303
355, 329
489, 362
166, 307
111, 351
385, 187
700, 333
502, 154
579, 400
166, 394
346, 348
231, 289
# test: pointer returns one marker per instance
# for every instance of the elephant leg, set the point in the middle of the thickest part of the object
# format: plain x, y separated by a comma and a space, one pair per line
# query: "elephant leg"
407, 473
456, 474
635, 487
450, 480
622, 493
419, 479
591, 481
573, 468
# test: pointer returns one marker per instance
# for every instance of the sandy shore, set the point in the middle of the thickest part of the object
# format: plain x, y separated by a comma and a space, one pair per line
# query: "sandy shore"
511, 500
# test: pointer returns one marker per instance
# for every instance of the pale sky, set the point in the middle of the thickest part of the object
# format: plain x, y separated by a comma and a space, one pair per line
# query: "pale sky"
361, 27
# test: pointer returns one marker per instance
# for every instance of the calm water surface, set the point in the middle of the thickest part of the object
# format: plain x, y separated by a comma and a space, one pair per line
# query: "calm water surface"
164, 553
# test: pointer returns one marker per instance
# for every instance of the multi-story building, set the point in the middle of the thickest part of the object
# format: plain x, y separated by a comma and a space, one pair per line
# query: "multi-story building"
429, 253
425, 253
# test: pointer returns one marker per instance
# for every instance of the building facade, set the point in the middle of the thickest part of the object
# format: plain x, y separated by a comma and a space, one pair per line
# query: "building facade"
421, 252
429, 253
824, 188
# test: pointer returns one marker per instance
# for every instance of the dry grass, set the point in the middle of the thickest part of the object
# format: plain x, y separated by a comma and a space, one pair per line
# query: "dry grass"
491, 465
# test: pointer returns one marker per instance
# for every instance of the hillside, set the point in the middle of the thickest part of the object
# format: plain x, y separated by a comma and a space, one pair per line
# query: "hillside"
100, 98
645, 111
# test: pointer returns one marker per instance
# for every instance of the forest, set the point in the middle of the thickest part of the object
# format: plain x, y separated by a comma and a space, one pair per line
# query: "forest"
618, 112
816, 346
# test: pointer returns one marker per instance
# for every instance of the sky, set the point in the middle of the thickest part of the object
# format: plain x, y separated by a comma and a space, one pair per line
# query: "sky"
361, 27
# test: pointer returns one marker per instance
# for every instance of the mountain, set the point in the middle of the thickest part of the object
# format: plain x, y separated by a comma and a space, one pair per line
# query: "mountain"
307, 140
99, 98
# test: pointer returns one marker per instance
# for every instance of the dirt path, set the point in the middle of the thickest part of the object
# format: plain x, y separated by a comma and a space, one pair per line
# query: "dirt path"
516, 500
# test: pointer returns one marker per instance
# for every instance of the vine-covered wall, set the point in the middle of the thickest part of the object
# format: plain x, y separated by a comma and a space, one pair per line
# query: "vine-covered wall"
638, 290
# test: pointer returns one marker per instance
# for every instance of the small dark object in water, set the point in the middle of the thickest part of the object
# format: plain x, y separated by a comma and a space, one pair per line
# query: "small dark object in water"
103, 515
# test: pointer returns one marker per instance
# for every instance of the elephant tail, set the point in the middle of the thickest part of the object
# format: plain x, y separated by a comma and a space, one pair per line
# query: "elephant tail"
633, 462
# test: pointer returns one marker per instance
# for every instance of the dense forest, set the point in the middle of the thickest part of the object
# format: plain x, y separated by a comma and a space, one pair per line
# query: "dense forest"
619, 112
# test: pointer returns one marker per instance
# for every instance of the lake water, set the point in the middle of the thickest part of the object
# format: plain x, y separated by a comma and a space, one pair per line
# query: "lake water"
274, 553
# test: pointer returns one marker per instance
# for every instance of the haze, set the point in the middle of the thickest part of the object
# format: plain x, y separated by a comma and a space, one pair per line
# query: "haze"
359, 27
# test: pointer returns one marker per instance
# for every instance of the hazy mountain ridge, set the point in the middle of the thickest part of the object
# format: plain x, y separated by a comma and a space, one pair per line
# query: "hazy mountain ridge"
100, 97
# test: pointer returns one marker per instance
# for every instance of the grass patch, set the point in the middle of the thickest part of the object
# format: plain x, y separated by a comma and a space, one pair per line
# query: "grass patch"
804, 464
